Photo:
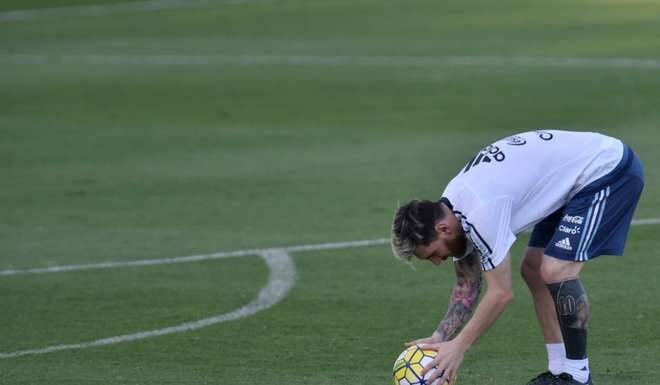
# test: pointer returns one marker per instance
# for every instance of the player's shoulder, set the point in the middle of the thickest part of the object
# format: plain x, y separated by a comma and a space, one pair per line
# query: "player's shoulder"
460, 196
465, 198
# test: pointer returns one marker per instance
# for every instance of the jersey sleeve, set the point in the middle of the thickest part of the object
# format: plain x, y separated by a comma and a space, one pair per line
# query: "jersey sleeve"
489, 229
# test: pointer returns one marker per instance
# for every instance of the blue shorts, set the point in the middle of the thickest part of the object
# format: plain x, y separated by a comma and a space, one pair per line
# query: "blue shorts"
597, 219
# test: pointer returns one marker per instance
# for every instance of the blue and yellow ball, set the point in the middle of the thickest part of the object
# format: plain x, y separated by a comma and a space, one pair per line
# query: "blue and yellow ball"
408, 367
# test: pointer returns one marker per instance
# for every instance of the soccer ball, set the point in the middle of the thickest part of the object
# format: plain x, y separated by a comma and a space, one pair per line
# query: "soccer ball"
408, 367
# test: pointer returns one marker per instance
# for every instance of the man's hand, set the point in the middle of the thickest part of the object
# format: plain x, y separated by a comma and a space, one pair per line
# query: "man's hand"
447, 362
434, 339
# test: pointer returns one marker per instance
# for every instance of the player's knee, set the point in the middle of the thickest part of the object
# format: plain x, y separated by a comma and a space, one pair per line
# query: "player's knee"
530, 268
549, 272
554, 270
530, 271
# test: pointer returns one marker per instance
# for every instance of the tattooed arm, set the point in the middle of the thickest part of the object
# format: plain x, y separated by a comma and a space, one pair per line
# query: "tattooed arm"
472, 319
463, 298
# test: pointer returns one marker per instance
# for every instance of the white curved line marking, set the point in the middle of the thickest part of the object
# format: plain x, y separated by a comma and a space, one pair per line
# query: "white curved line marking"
281, 279
191, 258
326, 60
113, 8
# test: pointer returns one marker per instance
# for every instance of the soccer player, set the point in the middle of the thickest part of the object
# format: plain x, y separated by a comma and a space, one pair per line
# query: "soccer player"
578, 189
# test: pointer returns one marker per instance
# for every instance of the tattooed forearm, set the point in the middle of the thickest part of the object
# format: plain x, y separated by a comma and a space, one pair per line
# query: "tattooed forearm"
463, 299
461, 306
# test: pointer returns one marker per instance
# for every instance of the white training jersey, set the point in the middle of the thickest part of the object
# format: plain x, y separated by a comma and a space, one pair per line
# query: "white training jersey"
518, 181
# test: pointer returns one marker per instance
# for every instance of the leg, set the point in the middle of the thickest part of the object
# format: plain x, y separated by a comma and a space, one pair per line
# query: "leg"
572, 309
543, 302
545, 313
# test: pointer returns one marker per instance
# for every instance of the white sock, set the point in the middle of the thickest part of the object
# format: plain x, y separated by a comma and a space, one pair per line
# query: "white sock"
556, 357
579, 369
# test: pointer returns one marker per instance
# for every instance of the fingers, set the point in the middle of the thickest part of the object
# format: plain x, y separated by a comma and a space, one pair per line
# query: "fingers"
449, 376
435, 377
441, 376
431, 365
441, 373
426, 368
417, 342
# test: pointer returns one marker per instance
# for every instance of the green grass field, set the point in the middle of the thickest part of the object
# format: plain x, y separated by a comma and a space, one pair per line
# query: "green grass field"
130, 135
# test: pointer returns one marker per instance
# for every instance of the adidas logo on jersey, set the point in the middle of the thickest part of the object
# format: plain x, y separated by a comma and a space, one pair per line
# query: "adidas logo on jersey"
486, 156
564, 244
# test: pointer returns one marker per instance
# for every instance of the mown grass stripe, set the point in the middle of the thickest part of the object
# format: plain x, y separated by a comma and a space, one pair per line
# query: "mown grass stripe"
113, 8
326, 60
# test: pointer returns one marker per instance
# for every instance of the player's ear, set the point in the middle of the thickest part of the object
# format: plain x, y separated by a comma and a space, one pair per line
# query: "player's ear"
442, 227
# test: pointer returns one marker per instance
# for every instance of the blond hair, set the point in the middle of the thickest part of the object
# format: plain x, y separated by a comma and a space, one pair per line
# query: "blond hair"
414, 225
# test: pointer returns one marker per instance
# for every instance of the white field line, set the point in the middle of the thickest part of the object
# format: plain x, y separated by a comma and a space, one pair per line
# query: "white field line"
191, 258
323, 60
281, 279
648, 221
223, 254
136, 263
113, 8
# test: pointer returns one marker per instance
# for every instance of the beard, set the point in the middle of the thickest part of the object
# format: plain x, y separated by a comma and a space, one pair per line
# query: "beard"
459, 246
